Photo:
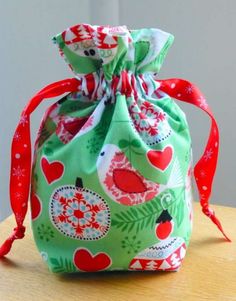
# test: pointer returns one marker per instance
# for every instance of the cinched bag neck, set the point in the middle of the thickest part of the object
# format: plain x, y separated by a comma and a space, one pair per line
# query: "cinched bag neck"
96, 86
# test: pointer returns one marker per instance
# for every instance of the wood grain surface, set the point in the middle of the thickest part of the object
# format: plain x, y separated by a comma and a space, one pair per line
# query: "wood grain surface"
208, 271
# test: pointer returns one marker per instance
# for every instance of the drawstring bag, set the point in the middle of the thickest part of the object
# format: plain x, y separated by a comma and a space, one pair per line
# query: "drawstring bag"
110, 183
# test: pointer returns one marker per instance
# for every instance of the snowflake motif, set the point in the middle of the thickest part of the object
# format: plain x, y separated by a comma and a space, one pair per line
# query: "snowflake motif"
18, 172
202, 102
17, 136
80, 213
23, 120
45, 232
202, 173
203, 197
19, 218
131, 244
150, 122
189, 89
208, 154
93, 145
18, 195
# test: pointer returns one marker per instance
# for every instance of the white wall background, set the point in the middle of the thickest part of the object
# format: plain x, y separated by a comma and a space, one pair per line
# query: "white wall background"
203, 52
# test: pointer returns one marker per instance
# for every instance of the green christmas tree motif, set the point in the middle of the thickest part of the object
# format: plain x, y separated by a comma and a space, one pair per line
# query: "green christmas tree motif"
62, 265
131, 244
45, 232
48, 128
48, 149
95, 143
137, 218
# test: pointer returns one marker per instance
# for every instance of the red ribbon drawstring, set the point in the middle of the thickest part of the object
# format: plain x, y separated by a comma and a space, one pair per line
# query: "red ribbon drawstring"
20, 174
205, 168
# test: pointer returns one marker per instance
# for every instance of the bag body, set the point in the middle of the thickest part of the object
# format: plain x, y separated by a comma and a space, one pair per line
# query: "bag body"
99, 186
111, 180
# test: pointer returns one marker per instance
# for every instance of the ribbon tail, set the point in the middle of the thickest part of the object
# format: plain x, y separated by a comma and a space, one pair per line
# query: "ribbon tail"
20, 174
205, 168
218, 224
211, 214
18, 233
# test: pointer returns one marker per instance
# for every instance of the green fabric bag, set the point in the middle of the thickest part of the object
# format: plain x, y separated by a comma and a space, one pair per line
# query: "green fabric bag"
111, 181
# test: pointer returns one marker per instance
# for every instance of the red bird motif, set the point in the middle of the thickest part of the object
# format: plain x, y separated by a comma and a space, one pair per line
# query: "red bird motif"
128, 181
121, 181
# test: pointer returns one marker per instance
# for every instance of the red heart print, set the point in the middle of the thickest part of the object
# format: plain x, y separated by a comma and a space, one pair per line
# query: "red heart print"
52, 171
36, 206
160, 158
85, 261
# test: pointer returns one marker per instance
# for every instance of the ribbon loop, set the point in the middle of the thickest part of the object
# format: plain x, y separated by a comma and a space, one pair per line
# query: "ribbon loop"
205, 168
20, 173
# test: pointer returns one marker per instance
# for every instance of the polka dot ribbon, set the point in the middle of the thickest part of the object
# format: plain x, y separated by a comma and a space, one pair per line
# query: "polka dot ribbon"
205, 168
20, 174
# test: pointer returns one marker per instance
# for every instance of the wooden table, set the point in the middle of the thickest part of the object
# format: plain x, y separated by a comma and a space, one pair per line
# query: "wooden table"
208, 272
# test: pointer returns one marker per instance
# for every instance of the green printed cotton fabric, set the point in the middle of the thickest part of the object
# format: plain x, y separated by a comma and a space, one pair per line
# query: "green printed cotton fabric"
111, 179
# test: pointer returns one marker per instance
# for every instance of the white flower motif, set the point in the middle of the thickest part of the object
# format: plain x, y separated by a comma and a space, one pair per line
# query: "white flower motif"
202, 196
19, 218
18, 172
189, 89
208, 154
202, 173
17, 136
18, 195
23, 120
44, 255
202, 102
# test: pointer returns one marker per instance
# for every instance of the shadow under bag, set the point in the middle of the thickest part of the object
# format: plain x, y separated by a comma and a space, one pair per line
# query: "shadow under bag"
110, 181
